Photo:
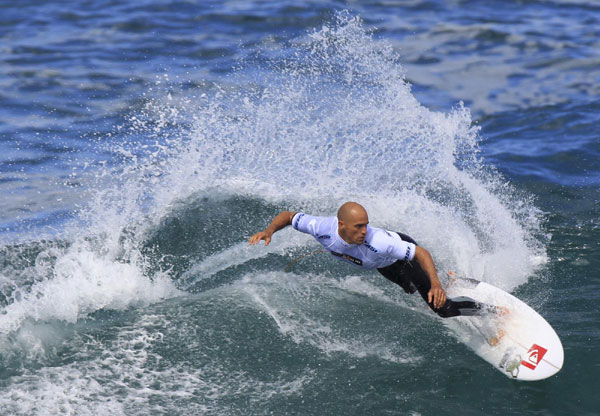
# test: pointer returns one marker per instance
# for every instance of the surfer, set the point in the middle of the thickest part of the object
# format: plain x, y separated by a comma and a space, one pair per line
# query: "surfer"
396, 256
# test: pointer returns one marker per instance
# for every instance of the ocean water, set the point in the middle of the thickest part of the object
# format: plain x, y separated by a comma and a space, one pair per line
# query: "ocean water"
143, 143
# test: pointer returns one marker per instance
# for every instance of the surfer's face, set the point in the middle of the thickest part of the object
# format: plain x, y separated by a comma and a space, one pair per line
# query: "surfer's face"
354, 229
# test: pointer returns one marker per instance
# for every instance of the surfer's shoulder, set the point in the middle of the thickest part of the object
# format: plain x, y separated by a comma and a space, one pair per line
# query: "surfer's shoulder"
312, 224
381, 240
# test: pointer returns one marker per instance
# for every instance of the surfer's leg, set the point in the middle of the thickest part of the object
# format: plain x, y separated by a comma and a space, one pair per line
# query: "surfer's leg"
396, 272
453, 307
411, 277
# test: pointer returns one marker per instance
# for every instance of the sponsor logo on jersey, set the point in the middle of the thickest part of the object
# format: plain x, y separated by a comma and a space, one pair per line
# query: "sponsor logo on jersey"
323, 236
297, 220
370, 247
534, 356
407, 255
348, 258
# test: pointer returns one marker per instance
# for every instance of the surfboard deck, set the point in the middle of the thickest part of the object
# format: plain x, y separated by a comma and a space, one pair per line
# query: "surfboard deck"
514, 338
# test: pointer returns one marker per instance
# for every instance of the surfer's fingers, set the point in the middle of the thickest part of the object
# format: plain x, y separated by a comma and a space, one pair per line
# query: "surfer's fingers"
442, 299
432, 298
437, 297
257, 237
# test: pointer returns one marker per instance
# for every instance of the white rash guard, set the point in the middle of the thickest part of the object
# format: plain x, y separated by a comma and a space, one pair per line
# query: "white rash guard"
379, 249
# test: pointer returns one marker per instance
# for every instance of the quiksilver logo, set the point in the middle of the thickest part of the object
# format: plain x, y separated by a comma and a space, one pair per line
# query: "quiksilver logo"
534, 356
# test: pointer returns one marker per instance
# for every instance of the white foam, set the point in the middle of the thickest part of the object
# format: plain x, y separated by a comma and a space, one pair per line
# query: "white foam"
83, 281
126, 377
237, 254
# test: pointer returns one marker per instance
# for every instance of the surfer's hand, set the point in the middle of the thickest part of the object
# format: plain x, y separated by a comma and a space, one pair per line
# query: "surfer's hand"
437, 296
261, 235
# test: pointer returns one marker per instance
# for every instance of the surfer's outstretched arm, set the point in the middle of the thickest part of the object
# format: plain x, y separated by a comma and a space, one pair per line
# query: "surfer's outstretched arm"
436, 295
282, 220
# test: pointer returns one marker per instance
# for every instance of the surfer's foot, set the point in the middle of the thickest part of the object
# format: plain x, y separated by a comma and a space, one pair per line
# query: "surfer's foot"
460, 306
495, 340
470, 307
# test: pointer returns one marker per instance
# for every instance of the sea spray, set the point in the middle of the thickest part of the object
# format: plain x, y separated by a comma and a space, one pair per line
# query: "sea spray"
332, 121
336, 120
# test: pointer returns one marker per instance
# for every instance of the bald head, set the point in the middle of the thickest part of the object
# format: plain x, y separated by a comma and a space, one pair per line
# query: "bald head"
352, 222
350, 210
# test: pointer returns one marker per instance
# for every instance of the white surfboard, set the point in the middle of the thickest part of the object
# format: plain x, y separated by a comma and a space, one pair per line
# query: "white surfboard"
517, 341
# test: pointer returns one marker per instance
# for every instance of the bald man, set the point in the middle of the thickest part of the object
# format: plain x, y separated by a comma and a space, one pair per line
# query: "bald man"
396, 256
